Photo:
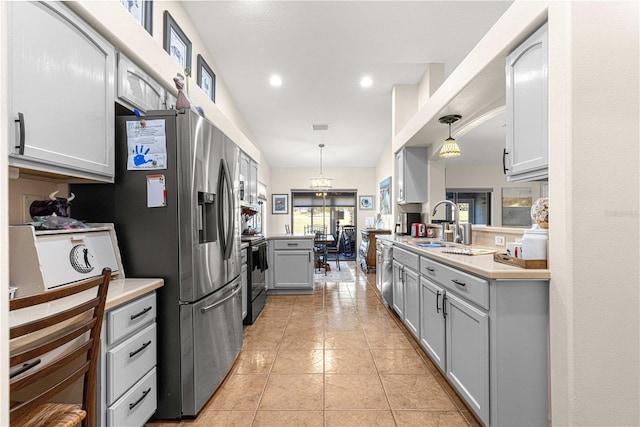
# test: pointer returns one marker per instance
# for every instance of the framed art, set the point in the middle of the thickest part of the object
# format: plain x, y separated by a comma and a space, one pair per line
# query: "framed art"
366, 203
516, 206
206, 78
385, 196
176, 42
279, 203
141, 10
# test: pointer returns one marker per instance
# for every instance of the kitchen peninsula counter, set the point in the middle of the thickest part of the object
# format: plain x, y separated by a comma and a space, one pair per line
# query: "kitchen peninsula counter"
481, 265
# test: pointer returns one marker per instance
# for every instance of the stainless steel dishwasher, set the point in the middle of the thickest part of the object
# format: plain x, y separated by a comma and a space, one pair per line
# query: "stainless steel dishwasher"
384, 272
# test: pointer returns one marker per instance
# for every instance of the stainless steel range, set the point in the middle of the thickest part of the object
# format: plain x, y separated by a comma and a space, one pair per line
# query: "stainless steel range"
257, 266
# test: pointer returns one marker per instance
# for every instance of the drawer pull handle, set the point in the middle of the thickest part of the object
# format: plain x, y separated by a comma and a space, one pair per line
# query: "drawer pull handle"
437, 301
292, 244
146, 310
145, 345
24, 368
431, 270
458, 282
144, 394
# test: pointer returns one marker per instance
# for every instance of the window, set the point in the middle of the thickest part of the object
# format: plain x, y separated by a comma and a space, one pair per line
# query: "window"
308, 208
474, 205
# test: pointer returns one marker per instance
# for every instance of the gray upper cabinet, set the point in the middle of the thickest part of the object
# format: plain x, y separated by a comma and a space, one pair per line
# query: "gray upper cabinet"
248, 181
526, 155
61, 93
411, 175
136, 89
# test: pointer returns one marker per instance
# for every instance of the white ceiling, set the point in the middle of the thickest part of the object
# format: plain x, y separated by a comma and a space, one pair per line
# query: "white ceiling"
322, 49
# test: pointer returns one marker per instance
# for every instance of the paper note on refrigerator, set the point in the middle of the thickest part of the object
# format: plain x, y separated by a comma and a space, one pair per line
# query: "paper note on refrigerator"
156, 191
146, 144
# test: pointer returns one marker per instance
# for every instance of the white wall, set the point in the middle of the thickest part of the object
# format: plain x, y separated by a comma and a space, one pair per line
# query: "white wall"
384, 169
4, 235
283, 180
594, 185
487, 177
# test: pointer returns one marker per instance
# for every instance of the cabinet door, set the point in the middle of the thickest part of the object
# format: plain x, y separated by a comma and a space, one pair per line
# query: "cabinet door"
253, 183
412, 301
293, 269
527, 146
136, 88
244, 178
61, 82
432, 321
467, 341
400, 176
398, 289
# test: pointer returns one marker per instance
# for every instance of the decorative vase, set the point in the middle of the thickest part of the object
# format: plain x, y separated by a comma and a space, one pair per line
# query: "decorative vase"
540, 212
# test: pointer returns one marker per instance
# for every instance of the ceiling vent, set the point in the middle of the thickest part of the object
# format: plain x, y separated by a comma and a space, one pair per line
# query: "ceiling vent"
320, 127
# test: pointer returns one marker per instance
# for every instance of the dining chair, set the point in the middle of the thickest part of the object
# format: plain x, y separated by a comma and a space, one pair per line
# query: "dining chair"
51, 349
320, 250
334, 248
348, 237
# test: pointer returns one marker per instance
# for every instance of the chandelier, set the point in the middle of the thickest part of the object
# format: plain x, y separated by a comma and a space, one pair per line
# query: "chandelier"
320, 182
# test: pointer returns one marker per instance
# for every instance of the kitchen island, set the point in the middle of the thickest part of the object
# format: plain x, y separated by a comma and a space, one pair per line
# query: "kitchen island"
484, 324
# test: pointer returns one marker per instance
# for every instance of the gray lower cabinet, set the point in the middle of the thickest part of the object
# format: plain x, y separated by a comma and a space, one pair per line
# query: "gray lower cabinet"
467, 340
291, 265
406, 287
432, 322
398, 289
127, 389
489, 337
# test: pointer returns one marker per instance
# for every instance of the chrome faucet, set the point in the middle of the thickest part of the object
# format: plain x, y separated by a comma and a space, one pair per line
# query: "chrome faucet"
456, 231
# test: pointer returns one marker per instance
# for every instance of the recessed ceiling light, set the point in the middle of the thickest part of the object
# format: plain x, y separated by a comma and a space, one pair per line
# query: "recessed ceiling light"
366, 81
275, 80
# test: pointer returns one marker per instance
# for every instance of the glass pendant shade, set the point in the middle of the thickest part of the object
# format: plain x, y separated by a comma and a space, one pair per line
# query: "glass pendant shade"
320, 182
449, 149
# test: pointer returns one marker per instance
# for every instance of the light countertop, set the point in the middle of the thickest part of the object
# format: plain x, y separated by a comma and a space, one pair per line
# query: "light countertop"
481, 265
120, 292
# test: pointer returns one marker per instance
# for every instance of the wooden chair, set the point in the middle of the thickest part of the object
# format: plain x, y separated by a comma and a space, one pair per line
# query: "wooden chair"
47, 348
320, 250
349, 236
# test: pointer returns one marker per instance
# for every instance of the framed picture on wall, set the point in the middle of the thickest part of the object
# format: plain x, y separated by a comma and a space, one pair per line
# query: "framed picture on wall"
206, 78
385, 196
176, 42
279, 203
141, 10
366, 203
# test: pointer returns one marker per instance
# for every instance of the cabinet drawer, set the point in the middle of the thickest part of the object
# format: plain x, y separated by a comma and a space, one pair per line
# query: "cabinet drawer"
127, 362
125, 320
293, 244
137, 405
408, 259
470, 287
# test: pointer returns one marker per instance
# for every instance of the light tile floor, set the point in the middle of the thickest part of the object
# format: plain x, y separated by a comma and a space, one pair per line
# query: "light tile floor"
337, 357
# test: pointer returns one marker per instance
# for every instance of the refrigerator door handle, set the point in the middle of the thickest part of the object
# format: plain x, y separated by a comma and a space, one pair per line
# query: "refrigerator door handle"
225, 190
203, 310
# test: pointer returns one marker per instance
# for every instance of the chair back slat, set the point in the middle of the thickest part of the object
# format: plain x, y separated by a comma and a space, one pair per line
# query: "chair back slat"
58, 340
53, 319
33, 352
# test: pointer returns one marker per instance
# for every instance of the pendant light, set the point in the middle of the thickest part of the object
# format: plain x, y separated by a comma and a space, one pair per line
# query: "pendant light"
320, 182
450, 147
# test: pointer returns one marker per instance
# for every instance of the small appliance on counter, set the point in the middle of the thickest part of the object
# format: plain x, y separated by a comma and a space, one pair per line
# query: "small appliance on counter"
418, 229
405, 221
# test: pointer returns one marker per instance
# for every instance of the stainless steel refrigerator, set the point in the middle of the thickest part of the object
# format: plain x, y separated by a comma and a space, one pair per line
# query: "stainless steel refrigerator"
191, 240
